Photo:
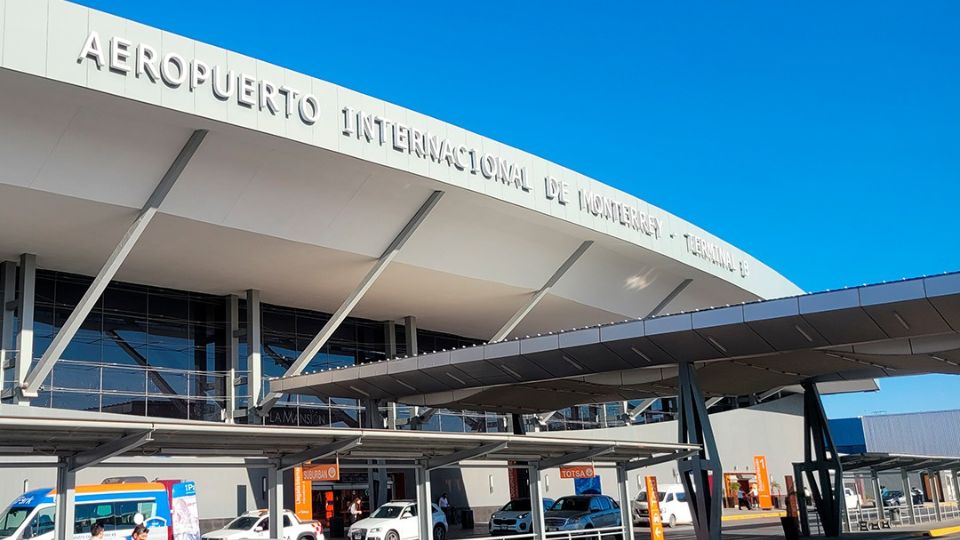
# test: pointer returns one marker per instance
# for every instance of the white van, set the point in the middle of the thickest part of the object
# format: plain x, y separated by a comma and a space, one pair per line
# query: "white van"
673, 506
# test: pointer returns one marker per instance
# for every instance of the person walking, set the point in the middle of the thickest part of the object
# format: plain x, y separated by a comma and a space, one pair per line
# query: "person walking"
444, 505
754, 497
742, 499
355, 510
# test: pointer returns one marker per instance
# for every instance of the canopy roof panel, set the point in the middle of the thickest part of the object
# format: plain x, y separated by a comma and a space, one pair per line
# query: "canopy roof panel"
890, 329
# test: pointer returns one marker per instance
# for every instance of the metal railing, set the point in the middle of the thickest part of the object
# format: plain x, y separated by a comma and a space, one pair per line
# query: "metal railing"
900, 514
582, 534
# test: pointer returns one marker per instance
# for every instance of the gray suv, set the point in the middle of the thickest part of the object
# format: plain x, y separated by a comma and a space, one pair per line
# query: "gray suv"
582, 512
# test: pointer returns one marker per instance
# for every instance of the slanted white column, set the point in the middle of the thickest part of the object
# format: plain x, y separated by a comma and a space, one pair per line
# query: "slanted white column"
27, 291
908, 493
935, 487
8, 282
69, 329
254, 346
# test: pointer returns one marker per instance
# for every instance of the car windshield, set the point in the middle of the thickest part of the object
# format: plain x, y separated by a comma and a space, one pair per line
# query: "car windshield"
12, 518
571, 504
243, 523
642, 496
390, 511
518, 505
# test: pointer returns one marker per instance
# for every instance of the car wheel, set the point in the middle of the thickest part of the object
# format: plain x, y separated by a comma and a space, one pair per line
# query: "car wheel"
306, 537
672, 522
392, 535
439, 533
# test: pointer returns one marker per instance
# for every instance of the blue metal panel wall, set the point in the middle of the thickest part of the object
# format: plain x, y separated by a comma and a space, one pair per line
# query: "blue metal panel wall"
848, 435
926, 433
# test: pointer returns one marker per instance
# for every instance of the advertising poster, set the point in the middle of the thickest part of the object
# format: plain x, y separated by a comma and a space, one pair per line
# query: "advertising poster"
302, 496
763, 482
186, 518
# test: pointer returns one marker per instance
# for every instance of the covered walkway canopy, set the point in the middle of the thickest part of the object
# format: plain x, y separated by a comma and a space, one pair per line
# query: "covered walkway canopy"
901, 328
879, 461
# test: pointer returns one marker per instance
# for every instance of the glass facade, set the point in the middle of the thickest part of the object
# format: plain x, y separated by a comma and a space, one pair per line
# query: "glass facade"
152, 351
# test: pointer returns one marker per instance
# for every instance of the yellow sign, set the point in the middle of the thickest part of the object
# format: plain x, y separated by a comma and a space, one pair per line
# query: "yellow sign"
763, 482
653, 509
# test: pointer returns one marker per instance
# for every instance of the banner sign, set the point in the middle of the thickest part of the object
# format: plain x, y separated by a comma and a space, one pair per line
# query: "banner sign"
763, 482
326, 472
653, 508
302, 496
186, 518
577, 471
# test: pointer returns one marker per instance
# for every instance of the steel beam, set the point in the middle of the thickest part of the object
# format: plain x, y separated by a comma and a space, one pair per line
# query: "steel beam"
66, 497
821, 456
713, 401
26, 296
108, 450
512, 323
318, 452
669, 298
549, 463
693, 425
69, 329
650, 462
354, 298
463, 455
633, 413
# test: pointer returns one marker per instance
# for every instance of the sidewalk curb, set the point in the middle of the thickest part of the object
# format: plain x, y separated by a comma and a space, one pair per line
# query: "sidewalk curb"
945, 531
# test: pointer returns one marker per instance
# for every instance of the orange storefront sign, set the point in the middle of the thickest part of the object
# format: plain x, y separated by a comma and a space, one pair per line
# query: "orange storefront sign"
302, 495
322, 472
653, 508
763, 482
578, 471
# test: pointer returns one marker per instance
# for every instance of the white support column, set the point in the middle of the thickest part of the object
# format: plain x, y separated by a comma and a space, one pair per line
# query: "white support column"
538, 527
935, 487
8, 282
908, 494
233, 358
956, 487
325, 333
254, 347
66, 497
626, 502
424, 504
879, 492
517, 317
27, 293
410, 335
275, 501
69, 329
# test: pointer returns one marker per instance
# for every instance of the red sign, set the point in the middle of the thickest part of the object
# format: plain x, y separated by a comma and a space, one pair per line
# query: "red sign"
577, 471
329, 472
653, 509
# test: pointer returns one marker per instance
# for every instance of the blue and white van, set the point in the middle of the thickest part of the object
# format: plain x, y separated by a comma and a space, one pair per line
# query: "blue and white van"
117, 507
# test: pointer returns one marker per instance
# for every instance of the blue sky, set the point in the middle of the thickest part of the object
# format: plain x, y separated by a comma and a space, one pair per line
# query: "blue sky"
821, 137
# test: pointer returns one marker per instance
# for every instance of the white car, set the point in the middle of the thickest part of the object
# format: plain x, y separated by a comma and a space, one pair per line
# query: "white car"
674, 508
852, 499
397, 520
256, 524
514, 517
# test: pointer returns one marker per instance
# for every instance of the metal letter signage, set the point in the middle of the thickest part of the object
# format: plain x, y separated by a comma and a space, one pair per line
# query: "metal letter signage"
124, 57
578, 471
325, 472
653, 508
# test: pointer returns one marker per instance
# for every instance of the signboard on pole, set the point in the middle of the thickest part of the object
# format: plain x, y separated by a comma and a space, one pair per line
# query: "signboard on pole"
184, 514
763, 482
577, 471
321, 472
302, 495
653, 508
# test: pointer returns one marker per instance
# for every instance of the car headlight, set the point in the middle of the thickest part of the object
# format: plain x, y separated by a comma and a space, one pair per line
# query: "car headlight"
523, 515
374, 530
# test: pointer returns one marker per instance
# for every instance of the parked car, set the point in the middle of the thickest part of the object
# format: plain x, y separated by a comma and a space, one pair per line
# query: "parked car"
673, 504
256, 524
852, 499
894, 498
397, 520
582, 512
514, 517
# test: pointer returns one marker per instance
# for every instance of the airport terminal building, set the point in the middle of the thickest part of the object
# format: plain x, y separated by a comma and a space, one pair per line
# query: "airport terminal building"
184, 229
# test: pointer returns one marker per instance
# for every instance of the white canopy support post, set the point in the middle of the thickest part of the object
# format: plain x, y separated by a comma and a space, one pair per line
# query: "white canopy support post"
424, 504
512, 323
538, 526
626, 504
464, 455
354, 298
65, 499
275, 501
69, 329
230, 406
254, 354
550, 463
657, 460
8, 283
318, 452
